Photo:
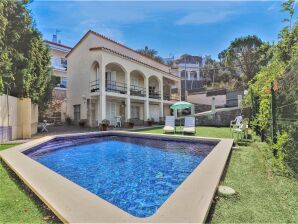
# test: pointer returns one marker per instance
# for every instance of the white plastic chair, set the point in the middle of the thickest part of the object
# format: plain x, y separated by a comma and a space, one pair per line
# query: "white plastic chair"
189, 125
169, 125
236, 122
44, 125
118, 122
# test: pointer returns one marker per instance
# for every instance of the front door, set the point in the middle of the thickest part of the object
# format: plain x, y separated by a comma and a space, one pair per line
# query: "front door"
111, 112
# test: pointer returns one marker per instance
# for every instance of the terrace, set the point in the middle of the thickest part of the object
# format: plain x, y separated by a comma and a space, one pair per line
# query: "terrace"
246, 173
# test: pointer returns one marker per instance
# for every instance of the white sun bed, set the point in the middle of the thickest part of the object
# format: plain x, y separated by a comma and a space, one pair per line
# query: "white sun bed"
189, 125
169, 125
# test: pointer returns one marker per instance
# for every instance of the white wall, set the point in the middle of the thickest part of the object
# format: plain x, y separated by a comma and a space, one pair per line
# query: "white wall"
20, 115
154, 112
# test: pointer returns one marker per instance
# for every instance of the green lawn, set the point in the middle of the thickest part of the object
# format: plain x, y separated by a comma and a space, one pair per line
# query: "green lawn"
17, 203
262, 196
200, 131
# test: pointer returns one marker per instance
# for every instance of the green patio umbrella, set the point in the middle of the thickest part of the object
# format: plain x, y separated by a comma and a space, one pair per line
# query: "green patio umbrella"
181, 106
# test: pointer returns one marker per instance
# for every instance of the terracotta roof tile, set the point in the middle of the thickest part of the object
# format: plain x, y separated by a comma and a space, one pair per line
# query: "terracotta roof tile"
122, 55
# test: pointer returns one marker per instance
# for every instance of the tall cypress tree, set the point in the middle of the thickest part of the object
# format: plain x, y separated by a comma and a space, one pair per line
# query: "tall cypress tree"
23, 55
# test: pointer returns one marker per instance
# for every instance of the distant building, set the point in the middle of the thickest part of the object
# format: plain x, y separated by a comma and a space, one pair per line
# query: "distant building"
58, 52
188, 68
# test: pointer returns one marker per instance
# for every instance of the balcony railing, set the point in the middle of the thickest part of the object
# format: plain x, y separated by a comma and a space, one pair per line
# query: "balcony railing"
94, 86
137, 91
170, 97
118, 87
154, 94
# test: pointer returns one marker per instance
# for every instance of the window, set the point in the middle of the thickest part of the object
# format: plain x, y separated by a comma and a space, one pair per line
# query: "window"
76, 113
63, 82
193, 75
135, 81
59, 63
64, 63
135, 112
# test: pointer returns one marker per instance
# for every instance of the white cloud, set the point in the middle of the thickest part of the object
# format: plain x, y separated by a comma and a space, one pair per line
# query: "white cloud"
204, 17
273, 6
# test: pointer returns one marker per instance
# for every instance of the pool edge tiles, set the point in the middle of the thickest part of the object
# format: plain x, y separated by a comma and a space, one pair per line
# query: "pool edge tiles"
71, 203
109, 166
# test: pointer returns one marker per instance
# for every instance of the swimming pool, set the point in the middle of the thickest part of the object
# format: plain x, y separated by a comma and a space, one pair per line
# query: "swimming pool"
188, 187
136, 174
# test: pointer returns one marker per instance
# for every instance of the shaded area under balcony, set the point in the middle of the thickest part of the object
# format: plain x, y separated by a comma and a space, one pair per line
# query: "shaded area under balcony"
117, 87
153, 94
137, 91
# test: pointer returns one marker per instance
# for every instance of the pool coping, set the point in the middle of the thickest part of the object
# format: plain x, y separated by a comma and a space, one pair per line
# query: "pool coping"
189, 203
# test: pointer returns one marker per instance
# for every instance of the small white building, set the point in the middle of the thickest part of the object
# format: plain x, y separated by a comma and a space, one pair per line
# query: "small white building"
187, 71
107, 80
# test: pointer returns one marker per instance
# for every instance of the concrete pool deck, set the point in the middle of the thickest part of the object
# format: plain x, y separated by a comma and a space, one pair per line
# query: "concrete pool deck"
73, 204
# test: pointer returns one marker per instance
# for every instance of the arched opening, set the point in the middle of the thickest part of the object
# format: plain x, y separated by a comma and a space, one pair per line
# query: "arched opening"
94, 77
193, 75
170, 89
154, 87
115, 78
183, 74
137, 84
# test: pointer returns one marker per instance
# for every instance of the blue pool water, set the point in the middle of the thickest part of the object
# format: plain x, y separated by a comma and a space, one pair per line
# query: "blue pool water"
135, 174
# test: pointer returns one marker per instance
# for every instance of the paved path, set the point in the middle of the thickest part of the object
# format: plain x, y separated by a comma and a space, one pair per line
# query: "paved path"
68, 129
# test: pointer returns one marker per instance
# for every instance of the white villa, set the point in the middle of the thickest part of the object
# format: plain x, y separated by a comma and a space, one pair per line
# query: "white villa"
107, 80
187, 71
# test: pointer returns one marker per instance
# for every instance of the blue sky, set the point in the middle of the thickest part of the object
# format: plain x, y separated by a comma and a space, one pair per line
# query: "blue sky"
171, 28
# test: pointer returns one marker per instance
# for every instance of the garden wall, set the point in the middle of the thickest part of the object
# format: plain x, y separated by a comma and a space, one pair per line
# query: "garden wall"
18, 118
221, 118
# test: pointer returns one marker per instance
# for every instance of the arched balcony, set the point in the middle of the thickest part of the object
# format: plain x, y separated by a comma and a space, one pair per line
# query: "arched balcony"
115, 78
137, 84
193, 75
154, 87
94, 77
184, 74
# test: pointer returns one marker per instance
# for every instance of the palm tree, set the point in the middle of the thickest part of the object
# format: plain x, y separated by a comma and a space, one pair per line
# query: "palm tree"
151, 53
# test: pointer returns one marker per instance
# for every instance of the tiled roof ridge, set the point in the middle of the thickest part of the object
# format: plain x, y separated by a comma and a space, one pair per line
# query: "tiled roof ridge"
113, 51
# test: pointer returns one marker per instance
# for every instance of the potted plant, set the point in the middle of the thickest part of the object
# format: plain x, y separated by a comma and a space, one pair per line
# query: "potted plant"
104, 125
130, 123
68, 120
150, 121
82, 123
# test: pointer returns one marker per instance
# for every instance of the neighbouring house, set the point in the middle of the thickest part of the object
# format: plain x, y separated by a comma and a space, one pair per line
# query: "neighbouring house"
58, 52
188, 68
107, 80
220, 98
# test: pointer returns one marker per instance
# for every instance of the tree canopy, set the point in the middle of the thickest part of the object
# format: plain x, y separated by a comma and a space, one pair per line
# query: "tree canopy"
24, 58
151, 53
243, 54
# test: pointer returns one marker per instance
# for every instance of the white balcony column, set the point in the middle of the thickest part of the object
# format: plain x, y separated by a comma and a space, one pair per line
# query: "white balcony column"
161, 88
127, 76
188, 75
102, 78
146, 109
98, 111
179, 90
127, 109
103, 103
161, 110
103, 109
146, 82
